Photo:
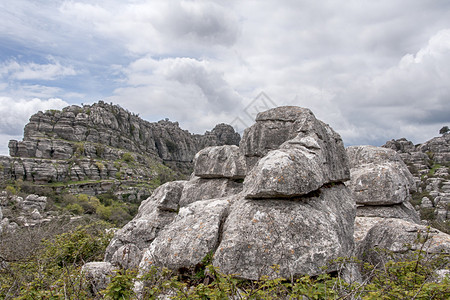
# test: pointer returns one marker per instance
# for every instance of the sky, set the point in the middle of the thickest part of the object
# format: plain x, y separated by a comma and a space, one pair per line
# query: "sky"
373, 70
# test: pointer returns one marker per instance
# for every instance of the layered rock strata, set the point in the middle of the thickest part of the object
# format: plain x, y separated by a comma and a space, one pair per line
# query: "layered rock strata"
272, 217
64, 145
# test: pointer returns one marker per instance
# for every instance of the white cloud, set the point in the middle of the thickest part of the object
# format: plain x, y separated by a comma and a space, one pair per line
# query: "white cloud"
374, 70
158, 28
15, 113
28, 71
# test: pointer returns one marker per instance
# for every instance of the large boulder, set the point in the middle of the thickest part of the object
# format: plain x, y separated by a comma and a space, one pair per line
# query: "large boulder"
219, 162
154, 214
378, 176
192, 236
278, 125
301, 165
299, 235
400, 237
198, 189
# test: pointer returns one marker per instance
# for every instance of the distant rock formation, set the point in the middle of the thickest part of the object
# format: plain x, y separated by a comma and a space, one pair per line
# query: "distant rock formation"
103, 142
430, 165
279, 199
105, 131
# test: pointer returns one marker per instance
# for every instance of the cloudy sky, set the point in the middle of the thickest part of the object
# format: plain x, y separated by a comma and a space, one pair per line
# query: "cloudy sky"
373, 70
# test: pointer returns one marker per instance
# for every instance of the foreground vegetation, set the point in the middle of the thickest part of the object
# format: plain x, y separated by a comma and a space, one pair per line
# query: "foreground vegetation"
52, 270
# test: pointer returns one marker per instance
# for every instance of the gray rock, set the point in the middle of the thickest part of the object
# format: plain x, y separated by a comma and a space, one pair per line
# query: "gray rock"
141, 230
98, 275
278, 125
127, 257
167, 196
32, 202
300, 166
198, 189
378, 176
400, 237
399, 211
35, 215
299, 235
219, 162
192, 236
426, 203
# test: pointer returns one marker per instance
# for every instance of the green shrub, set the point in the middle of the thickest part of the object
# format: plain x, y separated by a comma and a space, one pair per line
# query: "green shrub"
75, 208
100, 166
128, 157
53, 271
11, 190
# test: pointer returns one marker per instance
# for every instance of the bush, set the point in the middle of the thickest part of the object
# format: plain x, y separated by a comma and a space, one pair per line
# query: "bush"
127, 157
53, 271
11, 190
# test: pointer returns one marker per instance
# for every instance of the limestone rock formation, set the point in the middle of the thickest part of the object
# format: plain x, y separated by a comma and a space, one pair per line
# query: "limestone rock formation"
219, 162
278, 125
105, 143
400, 237
299, 224
105, 128
98, 274
380, 183
429, 163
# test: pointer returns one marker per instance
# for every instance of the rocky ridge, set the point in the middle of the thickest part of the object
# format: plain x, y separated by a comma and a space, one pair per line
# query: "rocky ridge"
103, 142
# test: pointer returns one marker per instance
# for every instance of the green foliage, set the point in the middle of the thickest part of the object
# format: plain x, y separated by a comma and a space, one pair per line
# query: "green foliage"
53, 271
171, 146
121, 285
100, 166
88, 203
11, 190
99, 150
79, 149
427, 213
128, 157
75, 208
444, 130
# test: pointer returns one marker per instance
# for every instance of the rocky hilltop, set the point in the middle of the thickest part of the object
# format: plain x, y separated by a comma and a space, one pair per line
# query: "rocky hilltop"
103, 142
104, 130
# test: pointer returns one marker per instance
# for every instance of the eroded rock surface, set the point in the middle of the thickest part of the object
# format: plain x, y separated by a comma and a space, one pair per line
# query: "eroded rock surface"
401, 237
299, 222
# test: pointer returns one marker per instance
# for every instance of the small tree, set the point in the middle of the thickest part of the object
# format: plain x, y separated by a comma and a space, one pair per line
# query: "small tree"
444, 130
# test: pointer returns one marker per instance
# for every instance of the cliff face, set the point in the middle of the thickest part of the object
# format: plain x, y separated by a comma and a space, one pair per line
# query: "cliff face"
105, 142
101, 130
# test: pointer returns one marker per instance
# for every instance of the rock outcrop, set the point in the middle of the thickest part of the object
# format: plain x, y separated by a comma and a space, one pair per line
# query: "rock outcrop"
401, 237
245, 226
380, 183
105, 143
104, 128
429, 163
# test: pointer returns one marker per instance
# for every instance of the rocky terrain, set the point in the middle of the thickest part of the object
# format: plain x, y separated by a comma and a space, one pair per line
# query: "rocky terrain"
289, 195
429, 163
103, 143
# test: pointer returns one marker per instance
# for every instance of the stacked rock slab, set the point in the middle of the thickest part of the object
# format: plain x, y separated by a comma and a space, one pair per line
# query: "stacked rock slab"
381, 184
275, 217
218, 173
